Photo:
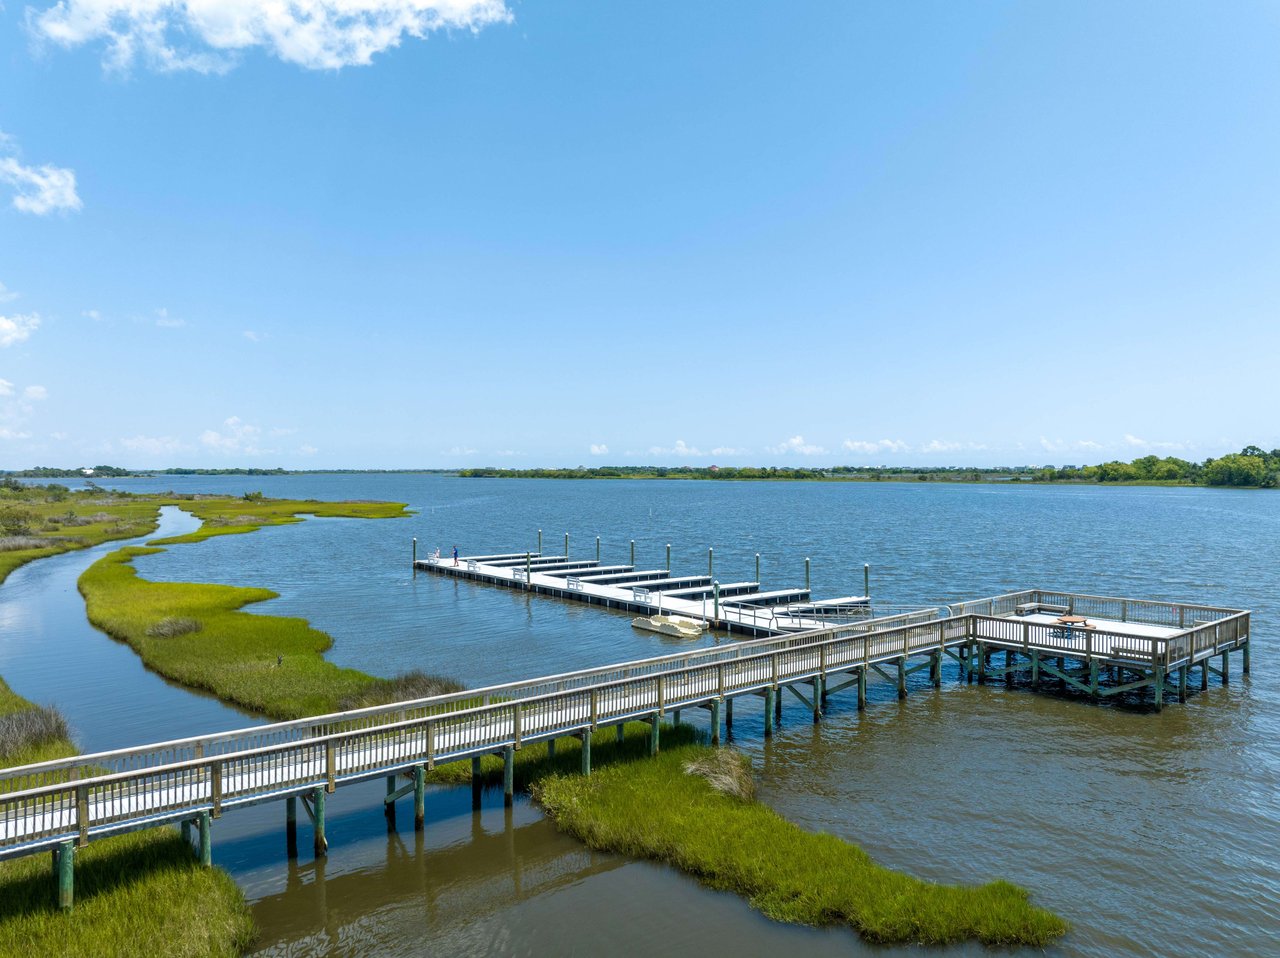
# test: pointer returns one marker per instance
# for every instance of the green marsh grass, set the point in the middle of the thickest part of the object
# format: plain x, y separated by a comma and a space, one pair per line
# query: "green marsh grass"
657, 810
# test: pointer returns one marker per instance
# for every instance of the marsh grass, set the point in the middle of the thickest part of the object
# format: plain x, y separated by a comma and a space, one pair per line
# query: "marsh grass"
15, 543
726, 770
403, 688
173, 625
657, 810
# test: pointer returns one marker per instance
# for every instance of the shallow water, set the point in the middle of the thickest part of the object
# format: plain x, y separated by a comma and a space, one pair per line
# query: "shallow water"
1152, 833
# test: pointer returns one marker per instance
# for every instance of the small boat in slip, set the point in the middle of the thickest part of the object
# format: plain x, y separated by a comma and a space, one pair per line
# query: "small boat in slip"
676, 625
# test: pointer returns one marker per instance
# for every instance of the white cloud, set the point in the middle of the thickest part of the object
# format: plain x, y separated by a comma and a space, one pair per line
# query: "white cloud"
727, 451
60, 436
797, 445
18, 328
165, 321
236, 437
506, 453
599, 449
92, 314
207, 36
39, 189
681, 448
35, 392
462, 451
6, 433
1136, 443
154, 445
6, 294
879, 446
945, 445
254, 337
307, 450
1059, 445
6, 387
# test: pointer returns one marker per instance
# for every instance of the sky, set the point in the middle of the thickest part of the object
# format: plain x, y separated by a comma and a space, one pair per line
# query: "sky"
442, 233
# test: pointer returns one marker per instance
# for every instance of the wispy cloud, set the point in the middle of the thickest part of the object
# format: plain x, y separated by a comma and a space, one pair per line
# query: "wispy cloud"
35, 393
599, 449
6, 294
172, 35
1079, 445
797, 446
948, 445
1135, 443
254, 337
18, 328
681, 448
865, 447
461, 451
165, 321
235, 437
154, 445
92, 314
37, 189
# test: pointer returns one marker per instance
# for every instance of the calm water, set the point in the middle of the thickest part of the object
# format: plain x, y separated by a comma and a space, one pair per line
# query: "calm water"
1151, 833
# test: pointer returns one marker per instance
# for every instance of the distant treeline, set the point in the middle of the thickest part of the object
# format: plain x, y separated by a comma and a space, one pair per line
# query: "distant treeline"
49, 472
1251, 466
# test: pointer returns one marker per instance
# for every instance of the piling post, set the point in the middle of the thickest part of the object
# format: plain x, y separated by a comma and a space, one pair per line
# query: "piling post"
321, 844
1182, 683
415, 552
206, 840
1226, 675
675, 717
477, 782
566, 545
1008, 667
817, 699
622, 731
728, 714
715, 721
551, 748
290, 827
633, 553
935, 669
768, 712
711, 555
66, 864
528, 572
1159, 687
1093, 677
862, 689
777, 706
586, 751
715, 592
186, 833
982, 664
539, 542
668, 556
1244, 658
597, 548
806, 573
419, 797
389, 804
653, 736
1035, 667
508, 776
757, 568
866, 579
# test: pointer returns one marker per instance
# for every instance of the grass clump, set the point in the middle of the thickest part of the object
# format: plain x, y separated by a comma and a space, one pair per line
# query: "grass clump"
725, 770
657, 810
173, 625
403, 688
144, 893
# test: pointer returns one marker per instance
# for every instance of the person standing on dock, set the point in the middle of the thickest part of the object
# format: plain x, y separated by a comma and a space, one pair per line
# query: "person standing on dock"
455, 555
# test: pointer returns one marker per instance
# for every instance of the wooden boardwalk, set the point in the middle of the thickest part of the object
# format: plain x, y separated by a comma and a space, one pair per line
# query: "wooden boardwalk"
1106, 646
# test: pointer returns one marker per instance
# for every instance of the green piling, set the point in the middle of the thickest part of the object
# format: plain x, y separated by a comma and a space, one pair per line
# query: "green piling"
817, 699
1093, 677
1159, 687
902, 677
862, 689
597, 548
1182, 683
1226, 674
728, 713
633, 553
419, 797
551, 748
290, 826
653, 736
206, 840
715, 592
66, 864
186, 832
586, 751
1035, 667
982, 664
757, 568
768, 712
622, 731
715, 721
806, 573
1244, 658
1204, 675
675, 717
668, 556
320, 844
508, 776
935, 669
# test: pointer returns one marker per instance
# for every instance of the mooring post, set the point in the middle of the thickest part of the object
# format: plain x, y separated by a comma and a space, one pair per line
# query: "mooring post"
477, 782
668, 556
622, 731
633, 553
586, 751
653, 736
1182, 683
862, 689
715, 592
206, 840
1008, 667
320, 844
1226, 675
186, 832
1244, 659
777, 705
415, 552
711, 555
982, 664
539, 542
528, 571
1035, 667
1093, 677
290, 827
419, 797
902, 677
508, 776
817, 699
757, 568
866, 579
65, 861
935, 669
389, 804
1204, 674
806, 573
597, 548
715, 721
566, 545
768, 712
1159, 687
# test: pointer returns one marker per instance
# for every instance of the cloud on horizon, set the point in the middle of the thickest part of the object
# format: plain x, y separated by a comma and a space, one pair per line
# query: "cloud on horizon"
208, 37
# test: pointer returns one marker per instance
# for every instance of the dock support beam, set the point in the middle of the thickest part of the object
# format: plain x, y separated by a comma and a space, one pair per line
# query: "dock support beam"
419, 797
728, 714
1226, 673
206, 840
653, 736
982, 664
477, 782
935, 669
389, 803
186, 833
321, 844
622, 731
1159, 687
862, 689
769, 694
64, 862
633, 553
902, 677
1093, 677
1204, 675
290, 827
777, 705
1182, 683
586, 751
1244, 658
715, 721
508, 776
551, 748
817, 699
1035, 667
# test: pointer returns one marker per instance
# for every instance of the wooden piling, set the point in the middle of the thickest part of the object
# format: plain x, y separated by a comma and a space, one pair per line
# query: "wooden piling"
817, 699
419, 797
586, 751
1159, 687
902, 677
290, 827
206, 840
653, 736
715, 721
1182, 683
1226, 672
320, 843
508, 776
862, 689
66, 865
551, 748
769, 693
728, 714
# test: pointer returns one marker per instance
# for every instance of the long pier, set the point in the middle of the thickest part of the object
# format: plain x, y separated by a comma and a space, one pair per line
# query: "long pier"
1100, 646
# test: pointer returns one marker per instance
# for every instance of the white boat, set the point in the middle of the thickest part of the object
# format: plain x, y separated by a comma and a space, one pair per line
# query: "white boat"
676, 625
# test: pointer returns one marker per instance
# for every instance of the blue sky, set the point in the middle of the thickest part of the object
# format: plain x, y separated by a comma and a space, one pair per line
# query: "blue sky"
458, 232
